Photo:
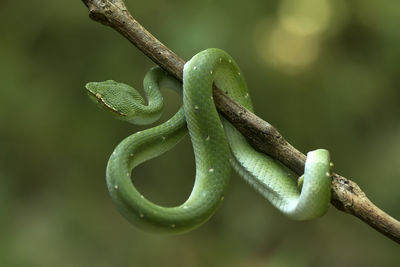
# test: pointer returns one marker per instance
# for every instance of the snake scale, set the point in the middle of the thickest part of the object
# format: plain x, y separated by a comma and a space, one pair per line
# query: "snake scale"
216, 143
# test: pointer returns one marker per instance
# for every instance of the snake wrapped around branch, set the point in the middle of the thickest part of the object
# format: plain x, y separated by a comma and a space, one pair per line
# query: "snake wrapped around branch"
217, 146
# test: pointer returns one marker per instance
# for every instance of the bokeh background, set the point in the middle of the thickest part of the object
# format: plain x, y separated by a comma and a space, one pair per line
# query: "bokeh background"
324, 72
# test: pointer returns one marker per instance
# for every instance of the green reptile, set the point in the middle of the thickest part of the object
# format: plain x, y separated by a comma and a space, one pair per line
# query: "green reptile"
216, 143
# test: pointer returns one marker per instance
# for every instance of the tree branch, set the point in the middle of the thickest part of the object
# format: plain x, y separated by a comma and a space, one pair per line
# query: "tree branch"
346, 194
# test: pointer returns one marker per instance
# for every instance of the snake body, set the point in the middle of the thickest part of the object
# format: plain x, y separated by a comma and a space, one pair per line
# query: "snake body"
216, 143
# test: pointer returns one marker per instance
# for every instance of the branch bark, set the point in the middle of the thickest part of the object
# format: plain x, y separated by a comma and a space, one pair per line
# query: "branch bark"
347, 196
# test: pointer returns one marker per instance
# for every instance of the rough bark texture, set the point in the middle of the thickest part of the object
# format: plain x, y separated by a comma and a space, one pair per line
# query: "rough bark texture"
346, 194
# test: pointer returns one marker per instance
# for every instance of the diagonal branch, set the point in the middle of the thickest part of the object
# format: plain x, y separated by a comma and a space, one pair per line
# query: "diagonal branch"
346, 194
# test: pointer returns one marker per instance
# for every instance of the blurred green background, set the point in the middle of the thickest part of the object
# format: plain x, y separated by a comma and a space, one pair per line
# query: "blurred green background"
324, 72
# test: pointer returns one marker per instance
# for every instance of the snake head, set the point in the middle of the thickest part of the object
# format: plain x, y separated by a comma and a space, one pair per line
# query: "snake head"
114, 97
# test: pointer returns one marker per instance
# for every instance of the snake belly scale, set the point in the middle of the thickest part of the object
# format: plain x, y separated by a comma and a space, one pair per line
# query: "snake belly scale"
216, 143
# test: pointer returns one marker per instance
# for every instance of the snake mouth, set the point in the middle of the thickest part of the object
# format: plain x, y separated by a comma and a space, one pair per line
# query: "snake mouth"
97, 98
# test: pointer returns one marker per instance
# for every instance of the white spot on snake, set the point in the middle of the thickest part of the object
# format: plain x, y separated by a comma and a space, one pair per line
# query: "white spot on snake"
211, 97
208, 138
246, 95
220, 59
328, 174
98, 95
211, 170
116, 187
138, 132
230, 61
173, 225
149, 86
239, 73
163, 138
141, 215
131, 154
128, 174
142, 196
185, 207
194, 67
211, 72
196, 107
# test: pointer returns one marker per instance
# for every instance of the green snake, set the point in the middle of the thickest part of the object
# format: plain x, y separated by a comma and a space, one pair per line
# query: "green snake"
216, 143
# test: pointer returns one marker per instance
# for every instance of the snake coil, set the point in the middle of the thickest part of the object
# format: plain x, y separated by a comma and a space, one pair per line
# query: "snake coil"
216, 143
